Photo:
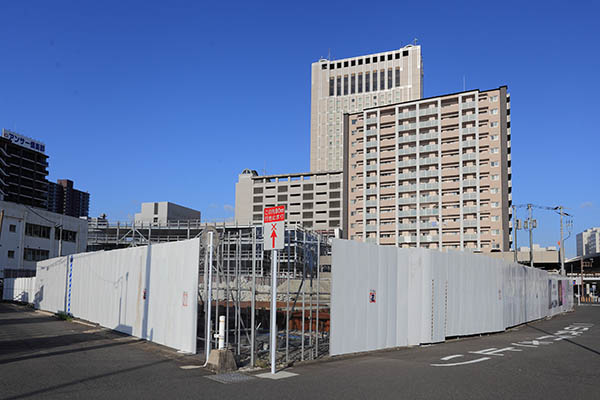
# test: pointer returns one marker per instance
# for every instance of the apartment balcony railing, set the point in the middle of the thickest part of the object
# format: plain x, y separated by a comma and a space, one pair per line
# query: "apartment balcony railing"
407, 114
407, 139
428, 111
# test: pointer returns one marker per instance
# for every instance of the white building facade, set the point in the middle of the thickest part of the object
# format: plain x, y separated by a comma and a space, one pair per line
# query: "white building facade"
29, 234
588, 242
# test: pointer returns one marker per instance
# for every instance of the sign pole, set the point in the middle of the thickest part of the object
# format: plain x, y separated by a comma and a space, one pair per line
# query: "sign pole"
273, 309
273, 236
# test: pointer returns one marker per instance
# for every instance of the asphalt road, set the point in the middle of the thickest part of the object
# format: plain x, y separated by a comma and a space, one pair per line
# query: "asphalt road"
43, 357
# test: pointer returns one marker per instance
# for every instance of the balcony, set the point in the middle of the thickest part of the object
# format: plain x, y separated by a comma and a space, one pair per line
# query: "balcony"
407, 163
371, 143
371, 228
470, 183
469, 222
429, 238
407, 139
470, 236
469, 170
370, 121
408, 175
429, 136
407, 226
409, 150
428, 111
427, 124
469, 156
370, 132
406, 127
371, 203
470, 210
407, 188
370, 191
468, 104
407, 200
431, 147
429, 186
371, 179
370, 216
371, 168
469, 143
429, 211
469, 196
471, 129
429, 174
428, 161
407, 213
371, 156
407, 114
429, 199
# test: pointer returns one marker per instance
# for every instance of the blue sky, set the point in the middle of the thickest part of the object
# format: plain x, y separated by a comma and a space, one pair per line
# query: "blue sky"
153, 101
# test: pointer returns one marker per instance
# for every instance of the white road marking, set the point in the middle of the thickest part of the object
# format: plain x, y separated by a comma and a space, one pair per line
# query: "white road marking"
190, 366
451, 357
461, 363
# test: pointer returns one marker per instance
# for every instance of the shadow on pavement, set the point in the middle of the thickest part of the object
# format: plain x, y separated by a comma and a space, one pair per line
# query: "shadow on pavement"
26, 320
35, 344
566, 340
40, 392
62, 352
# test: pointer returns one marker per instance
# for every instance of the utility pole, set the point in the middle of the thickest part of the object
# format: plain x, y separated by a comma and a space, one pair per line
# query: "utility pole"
562, 245
530, 226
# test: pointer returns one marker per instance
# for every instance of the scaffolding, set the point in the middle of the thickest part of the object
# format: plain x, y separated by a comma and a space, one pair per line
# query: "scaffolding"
240, 290
241, 284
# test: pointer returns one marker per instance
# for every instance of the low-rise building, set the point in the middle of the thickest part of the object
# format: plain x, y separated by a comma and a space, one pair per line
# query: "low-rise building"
29, 234
164, 211
312, 200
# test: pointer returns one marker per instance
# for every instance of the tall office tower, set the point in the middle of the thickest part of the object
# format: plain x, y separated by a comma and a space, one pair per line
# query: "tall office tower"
431, 173
588, 242
64, 199
23, 170
351, 85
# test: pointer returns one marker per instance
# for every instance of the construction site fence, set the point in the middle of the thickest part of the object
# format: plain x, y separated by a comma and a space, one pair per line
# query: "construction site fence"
384, 297
150, 292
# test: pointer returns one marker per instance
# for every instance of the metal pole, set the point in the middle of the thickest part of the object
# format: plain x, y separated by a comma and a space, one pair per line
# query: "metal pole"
227, 288
581, 284
253, 299
239, 305
208, 327
287, 313
530, 225
562, 245
318, 294
303, 289
273, 309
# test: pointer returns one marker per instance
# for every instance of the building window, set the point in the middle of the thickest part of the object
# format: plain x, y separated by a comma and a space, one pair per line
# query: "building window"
397, 77
37, 231
12, 228
382, 80
495, 218
71, 236
339, 86
494, 137
494, 124
331, 86
494, 163
345, 84
389, 85
353, 84
367, 82
494, 150
36, 254
374, 81
495, 204
11, 254
495, 177
494, 111
495, 231
155, 208
494, 190
493, 99
360, 83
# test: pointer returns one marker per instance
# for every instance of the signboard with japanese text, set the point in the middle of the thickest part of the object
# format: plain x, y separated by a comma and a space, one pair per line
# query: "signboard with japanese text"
273, 228
24, 141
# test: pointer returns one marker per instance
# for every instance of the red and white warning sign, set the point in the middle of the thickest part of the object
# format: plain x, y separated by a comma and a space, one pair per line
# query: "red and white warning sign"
273, 228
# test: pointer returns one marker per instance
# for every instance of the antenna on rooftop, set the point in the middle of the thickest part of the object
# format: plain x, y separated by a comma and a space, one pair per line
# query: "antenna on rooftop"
415, 40
329, 54
464, 83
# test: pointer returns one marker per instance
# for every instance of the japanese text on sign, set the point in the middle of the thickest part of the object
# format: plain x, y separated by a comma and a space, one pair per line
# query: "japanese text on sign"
23, 141
274, 214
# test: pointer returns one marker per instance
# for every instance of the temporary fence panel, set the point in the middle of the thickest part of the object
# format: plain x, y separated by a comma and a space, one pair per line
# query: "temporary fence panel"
384, 296
19, 289
149, 292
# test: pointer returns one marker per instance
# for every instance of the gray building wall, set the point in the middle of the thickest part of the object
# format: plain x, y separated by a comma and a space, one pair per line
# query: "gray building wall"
161, 212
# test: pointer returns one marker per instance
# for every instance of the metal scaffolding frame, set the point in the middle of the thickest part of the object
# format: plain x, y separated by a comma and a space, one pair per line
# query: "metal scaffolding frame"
241, 281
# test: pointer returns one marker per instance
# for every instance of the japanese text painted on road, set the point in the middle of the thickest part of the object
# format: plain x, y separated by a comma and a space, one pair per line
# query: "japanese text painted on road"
273, 228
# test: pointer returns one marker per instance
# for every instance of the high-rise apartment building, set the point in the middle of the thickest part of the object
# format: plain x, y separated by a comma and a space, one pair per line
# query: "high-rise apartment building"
433, 173
351, 85
23, 170
64, 199
312, 200
588, 242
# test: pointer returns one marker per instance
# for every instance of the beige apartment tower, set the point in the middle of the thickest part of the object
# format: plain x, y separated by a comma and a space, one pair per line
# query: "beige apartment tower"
351, 85
433, 173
